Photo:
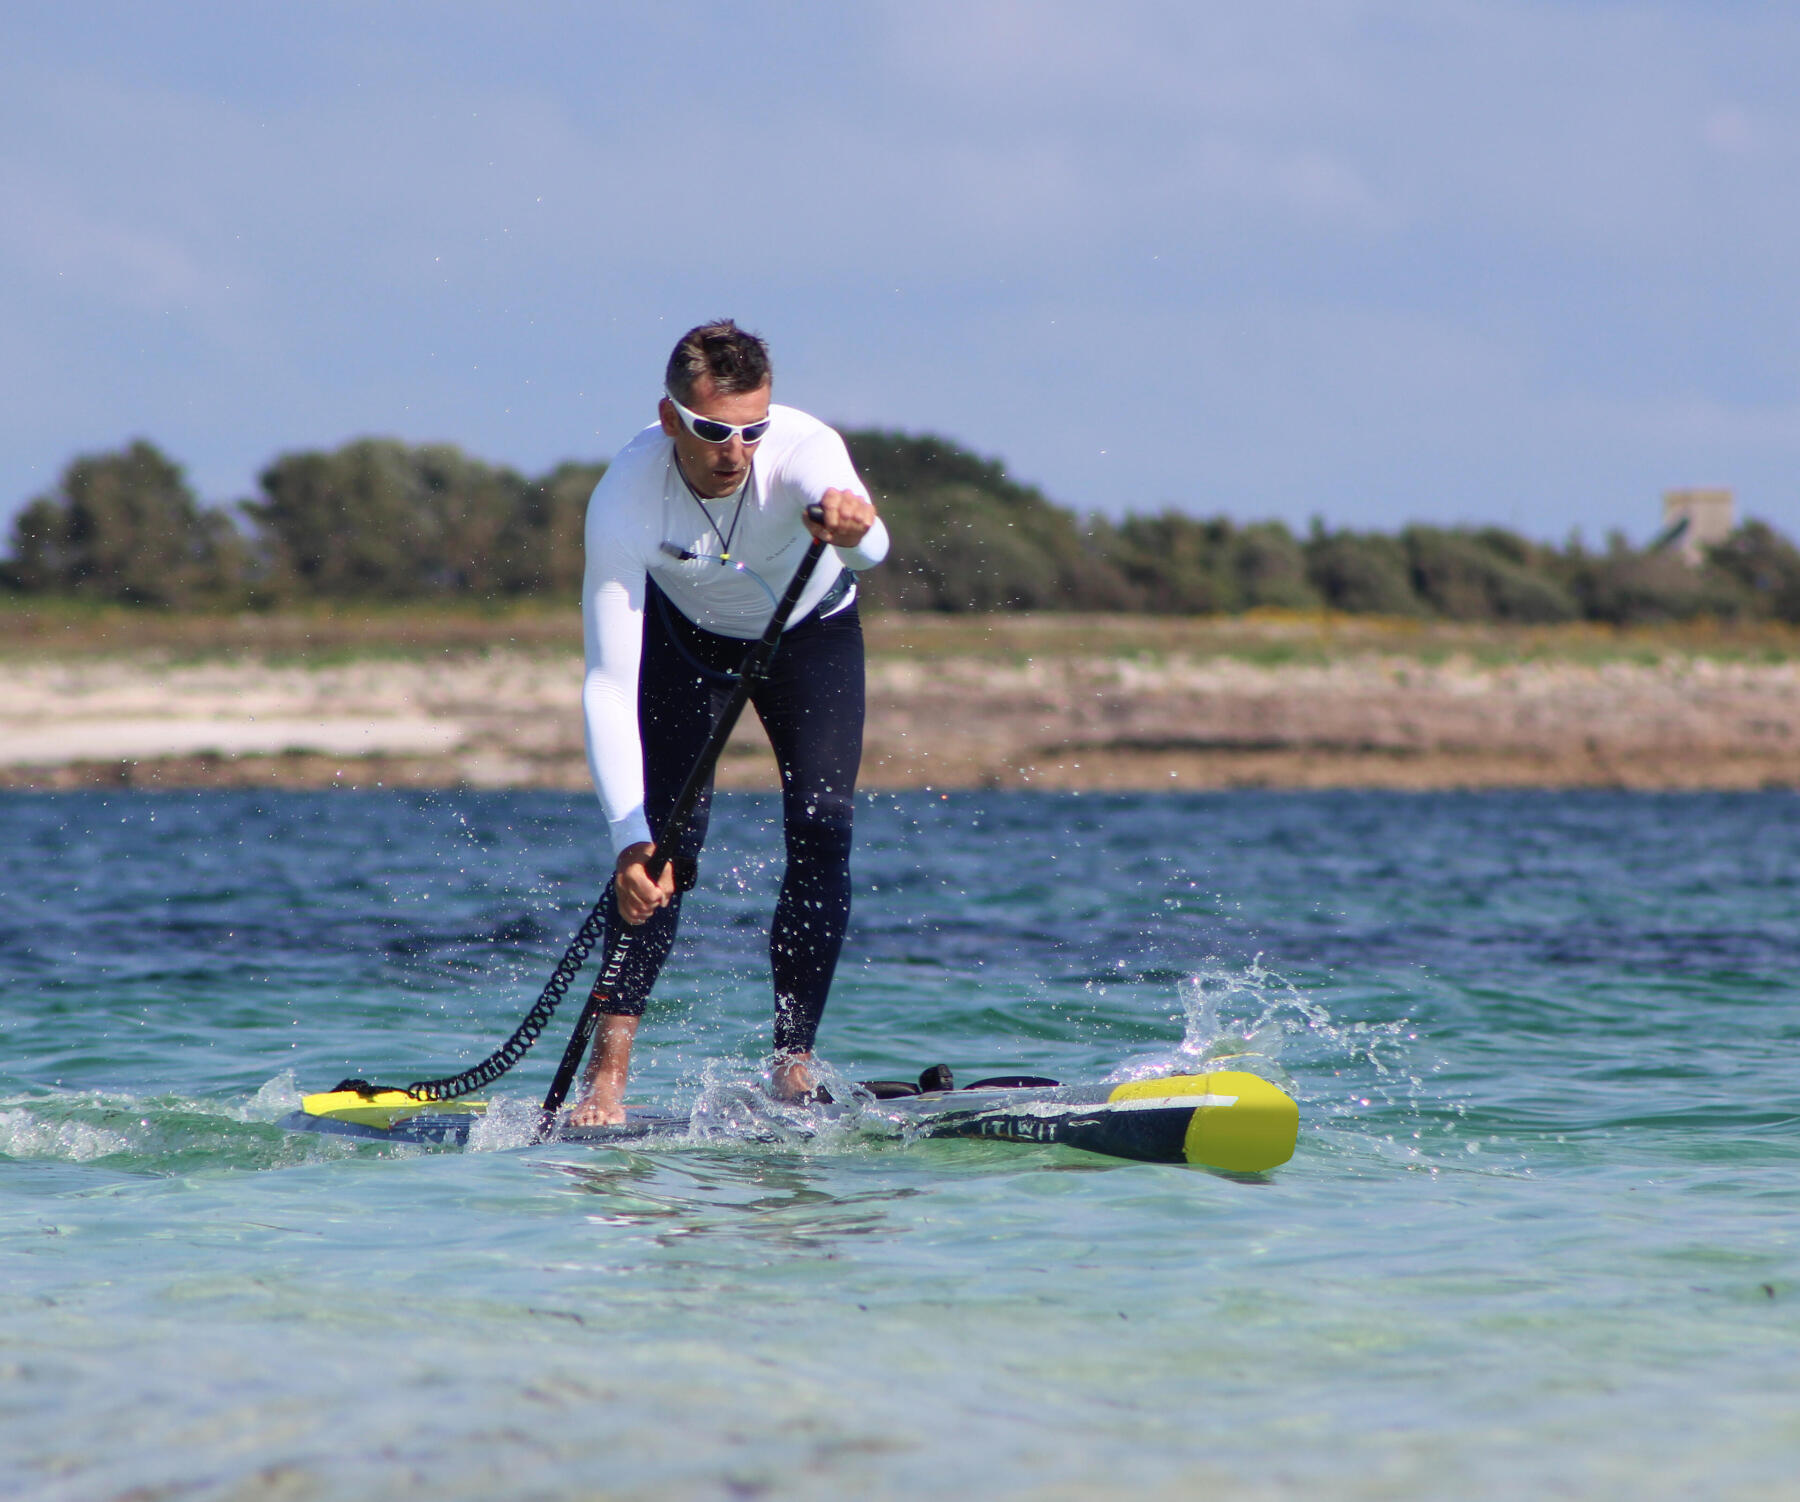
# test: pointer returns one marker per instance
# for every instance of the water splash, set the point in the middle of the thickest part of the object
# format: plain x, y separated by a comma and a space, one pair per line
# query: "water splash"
509, 1122
1362, 1083
277, 1097
25, 1134
735, 1102
162, 1134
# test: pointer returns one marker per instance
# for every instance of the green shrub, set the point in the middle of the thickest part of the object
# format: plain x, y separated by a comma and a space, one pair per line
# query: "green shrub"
1361, 573
124, 526
966, 536
377, 518
1762, 568
1476, 576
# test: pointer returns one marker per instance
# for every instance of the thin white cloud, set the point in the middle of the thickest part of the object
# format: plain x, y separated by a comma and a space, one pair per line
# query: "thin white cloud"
1728, 129
86, 253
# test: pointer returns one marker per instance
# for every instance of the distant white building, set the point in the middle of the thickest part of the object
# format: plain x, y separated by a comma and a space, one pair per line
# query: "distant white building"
1694, 520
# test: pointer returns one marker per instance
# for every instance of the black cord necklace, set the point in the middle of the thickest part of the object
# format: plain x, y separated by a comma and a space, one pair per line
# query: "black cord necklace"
737, 512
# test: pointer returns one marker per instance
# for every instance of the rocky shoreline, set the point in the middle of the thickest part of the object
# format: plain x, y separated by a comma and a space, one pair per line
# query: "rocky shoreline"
1061, 706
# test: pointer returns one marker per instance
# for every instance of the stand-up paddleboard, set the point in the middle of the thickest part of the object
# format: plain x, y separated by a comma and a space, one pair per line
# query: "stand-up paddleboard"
1226, 1119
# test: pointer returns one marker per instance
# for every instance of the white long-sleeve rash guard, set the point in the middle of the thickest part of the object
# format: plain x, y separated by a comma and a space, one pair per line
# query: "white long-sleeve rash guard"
640, 504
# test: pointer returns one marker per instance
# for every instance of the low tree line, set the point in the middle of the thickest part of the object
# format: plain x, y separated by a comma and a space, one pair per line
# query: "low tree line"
380, 519
969, 537
375, 519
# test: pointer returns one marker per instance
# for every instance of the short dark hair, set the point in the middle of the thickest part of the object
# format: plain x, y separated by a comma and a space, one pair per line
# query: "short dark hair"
736, 359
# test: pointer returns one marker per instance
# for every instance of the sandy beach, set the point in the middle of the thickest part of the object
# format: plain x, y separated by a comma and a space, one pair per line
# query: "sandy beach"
1067, 702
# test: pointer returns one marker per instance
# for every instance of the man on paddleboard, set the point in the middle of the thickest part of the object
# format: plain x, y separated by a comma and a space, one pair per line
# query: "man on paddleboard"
692, 535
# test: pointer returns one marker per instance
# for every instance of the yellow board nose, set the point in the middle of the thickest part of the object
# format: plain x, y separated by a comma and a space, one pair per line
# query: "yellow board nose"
1241, 1122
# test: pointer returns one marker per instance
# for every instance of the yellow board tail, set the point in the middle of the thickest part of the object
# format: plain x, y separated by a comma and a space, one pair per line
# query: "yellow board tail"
1241, 1122
383, 1108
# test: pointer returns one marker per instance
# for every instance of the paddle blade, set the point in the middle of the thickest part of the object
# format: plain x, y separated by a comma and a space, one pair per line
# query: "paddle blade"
1238, 1121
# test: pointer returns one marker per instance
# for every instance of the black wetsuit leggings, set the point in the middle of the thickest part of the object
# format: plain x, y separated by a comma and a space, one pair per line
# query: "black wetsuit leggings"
811, 704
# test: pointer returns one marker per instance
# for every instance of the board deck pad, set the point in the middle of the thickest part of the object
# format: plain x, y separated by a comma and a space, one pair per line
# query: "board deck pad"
1228, 1119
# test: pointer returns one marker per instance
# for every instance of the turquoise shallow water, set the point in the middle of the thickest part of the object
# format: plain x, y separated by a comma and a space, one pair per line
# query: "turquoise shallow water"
1539, 1237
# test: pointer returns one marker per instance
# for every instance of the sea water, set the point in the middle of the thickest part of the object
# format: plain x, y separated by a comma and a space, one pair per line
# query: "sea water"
1538, 1238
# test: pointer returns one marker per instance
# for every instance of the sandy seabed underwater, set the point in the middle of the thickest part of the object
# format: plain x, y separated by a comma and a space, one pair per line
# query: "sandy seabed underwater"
1538, 1238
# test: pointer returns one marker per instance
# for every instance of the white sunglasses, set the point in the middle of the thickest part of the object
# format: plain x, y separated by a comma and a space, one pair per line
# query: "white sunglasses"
711, 430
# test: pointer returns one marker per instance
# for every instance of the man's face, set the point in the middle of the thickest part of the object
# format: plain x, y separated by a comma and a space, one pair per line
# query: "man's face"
715, 469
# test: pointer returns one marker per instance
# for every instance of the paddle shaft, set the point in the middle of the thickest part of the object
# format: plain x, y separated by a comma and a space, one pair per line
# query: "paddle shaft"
753, 670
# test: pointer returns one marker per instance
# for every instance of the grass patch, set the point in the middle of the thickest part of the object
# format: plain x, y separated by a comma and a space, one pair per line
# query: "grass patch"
320, 635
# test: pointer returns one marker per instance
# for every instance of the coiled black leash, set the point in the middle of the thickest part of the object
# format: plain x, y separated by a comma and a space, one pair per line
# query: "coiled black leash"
754, 669
536, 1020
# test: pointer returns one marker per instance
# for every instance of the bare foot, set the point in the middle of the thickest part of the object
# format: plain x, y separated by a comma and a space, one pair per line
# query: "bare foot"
594, 1110
791, 1078
603, 1100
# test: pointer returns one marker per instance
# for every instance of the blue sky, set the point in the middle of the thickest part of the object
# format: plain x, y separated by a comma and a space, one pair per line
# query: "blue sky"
1526, 264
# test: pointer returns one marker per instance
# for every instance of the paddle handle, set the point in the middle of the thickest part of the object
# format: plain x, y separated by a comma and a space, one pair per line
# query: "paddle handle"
753, 670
